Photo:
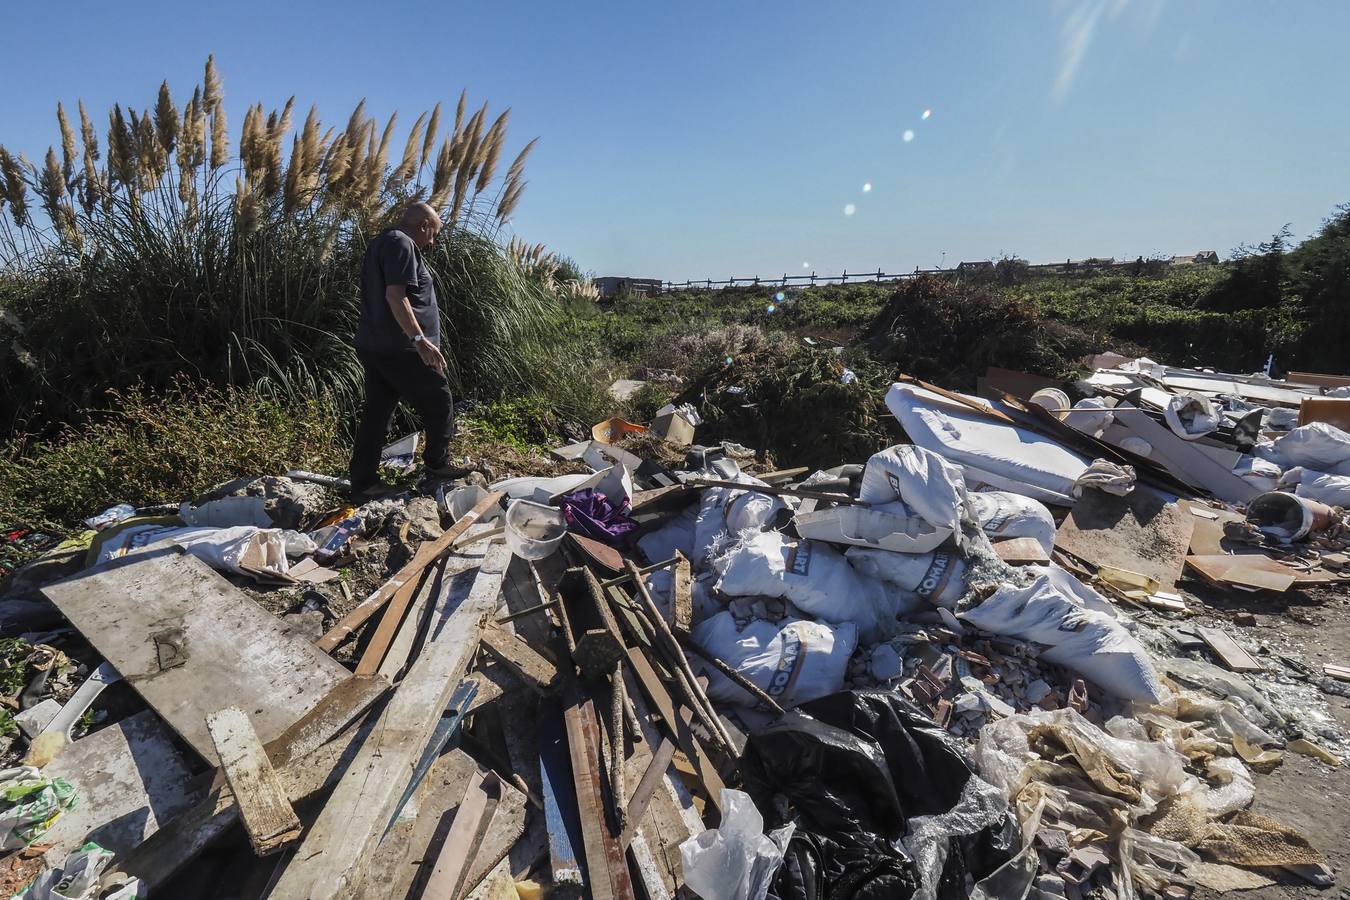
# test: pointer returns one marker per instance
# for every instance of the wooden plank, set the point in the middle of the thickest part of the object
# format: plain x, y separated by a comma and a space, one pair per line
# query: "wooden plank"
402, 647
329, 862
406, 856
532, 668
1183, 460
461, 845
1140, 532
1318, 380
561, 816
677, 726
132, 782
606, 869
393, 620
1230, 653
1021, 551
651, 778
339, 708
177, 844
1260, 572
682, 603
188, 641
270, 821
426, 554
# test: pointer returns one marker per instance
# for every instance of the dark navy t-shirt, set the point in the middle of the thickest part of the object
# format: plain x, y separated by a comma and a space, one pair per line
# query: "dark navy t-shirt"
393, 258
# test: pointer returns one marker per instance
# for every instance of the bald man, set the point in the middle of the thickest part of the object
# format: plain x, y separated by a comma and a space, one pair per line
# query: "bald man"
398, 340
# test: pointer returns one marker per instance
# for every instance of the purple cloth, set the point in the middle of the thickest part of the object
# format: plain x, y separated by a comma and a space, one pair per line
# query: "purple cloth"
590, 513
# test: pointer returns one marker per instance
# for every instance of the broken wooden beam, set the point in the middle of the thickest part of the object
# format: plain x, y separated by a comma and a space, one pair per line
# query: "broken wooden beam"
270, 821
426, 554
606, 866
530, 666
329, 861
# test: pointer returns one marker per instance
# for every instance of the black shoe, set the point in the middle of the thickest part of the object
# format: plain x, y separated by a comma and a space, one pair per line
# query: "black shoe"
447, 472
374, 491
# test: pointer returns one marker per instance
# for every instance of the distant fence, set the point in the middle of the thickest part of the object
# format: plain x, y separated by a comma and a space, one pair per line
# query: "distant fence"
985, 269
787, 280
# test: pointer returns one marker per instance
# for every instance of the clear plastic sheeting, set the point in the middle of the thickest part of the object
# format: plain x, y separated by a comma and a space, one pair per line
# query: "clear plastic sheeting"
981, 806
735, 861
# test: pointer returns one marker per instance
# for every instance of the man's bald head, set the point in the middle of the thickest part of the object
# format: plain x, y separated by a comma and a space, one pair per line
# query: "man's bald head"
420, 222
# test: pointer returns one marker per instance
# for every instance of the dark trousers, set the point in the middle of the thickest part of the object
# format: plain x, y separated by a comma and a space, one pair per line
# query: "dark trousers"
389, 378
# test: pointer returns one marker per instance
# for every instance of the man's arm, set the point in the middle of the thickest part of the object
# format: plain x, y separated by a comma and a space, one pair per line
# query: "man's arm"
398, 265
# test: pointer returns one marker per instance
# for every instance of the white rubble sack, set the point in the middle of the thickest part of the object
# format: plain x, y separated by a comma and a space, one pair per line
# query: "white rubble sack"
1091, 643
1261, 474
927, 484
938, 577
989, 451
1317, 445
676, 534
735, 861
725, 512
1333, 490
1003, 514
813, 576
792, 660
1191, 418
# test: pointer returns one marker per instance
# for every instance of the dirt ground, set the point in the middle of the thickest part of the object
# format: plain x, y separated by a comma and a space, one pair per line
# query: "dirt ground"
1314, 628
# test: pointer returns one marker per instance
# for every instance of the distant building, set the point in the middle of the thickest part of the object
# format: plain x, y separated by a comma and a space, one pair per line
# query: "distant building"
614, 285
975, 268
1203, 258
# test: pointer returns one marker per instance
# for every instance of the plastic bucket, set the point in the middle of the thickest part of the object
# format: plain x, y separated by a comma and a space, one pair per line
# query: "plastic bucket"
534, 531
1286, 516
461, 501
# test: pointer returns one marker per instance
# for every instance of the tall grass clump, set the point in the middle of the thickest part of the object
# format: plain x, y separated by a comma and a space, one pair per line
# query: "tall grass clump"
157, 247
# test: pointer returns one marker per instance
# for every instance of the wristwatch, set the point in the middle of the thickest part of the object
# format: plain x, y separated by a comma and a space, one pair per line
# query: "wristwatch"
419, 339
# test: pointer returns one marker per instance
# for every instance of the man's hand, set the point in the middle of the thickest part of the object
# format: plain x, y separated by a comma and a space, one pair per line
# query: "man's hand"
431, 355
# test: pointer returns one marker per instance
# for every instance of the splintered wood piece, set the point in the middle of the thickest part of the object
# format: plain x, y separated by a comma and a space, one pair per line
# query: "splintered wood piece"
1253, 571
1230, 653
270, 821
426, 554
1140, 532
465, 837
606, 867
651, 777
681, 598
1021, 551
521, 658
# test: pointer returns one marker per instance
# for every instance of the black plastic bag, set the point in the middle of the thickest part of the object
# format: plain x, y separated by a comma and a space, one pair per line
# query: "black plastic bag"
851, 769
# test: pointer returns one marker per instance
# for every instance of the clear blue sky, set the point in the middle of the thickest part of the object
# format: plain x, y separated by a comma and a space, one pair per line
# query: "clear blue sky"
726, 138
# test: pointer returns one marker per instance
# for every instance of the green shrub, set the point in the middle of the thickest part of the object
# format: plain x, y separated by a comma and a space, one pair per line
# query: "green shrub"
147, 449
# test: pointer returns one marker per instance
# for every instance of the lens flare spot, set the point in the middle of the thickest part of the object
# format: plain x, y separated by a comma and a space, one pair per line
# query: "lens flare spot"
778, 296
849, 209
867, 186
729, 360
908, 135
806, 265
770, 308
927, 113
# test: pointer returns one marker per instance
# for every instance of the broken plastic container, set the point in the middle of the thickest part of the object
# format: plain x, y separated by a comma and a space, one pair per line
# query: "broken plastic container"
1287, 516
534, 531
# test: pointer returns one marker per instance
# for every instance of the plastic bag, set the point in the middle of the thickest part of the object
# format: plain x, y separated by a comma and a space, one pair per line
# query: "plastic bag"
793, 661
1091, 643
1316, 445
930, 486
227, 512
220, 548
1191, 418
29, 804
938, 577
111, 516
812, 575
1333, 490
77, 877
1003, 514
1104, 475
735, 861
1090, 415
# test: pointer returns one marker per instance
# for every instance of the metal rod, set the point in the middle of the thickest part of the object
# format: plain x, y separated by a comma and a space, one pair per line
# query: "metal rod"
529, 610
779, 491
627, 577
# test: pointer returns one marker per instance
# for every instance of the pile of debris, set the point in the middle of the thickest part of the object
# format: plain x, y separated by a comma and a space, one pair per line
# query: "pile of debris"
963, 668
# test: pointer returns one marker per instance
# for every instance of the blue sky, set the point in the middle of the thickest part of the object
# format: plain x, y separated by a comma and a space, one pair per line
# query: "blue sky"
701, 139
